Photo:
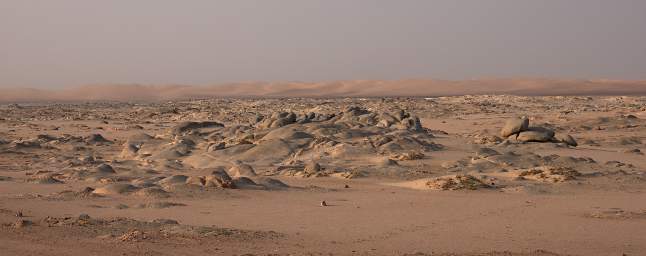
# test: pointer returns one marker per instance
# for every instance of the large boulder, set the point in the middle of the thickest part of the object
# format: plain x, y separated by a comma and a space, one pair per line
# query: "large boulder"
536, 134
514, 126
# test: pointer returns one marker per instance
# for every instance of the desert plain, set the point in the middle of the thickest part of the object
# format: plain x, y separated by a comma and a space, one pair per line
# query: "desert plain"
458, 175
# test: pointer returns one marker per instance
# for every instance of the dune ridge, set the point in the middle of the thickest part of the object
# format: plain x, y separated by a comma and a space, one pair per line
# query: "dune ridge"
354, 88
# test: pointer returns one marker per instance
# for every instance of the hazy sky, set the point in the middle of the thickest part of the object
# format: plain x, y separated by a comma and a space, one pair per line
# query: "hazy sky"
75, 42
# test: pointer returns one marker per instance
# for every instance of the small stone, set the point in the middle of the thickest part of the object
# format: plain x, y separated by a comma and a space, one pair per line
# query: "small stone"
121, 206
166, 222
216, 146
22, 223
312, 168
567, 139
86, 190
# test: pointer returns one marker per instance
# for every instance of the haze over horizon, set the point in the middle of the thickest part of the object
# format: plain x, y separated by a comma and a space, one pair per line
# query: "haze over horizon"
53, 44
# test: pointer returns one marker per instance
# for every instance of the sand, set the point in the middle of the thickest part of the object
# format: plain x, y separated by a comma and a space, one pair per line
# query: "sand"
351, 88
399, 176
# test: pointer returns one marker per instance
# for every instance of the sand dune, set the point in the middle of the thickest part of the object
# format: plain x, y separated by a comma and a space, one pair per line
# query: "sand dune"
356, 88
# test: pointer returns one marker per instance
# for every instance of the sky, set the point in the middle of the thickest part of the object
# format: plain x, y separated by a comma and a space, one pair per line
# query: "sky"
48, 44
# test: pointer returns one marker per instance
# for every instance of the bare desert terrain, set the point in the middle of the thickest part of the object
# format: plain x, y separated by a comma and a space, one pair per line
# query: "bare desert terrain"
459, 175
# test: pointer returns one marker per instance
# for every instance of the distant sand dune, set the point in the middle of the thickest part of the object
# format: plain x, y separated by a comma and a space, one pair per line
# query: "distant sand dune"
359, 88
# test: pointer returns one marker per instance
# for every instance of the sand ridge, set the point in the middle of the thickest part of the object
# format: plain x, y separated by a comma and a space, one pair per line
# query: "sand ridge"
352, 88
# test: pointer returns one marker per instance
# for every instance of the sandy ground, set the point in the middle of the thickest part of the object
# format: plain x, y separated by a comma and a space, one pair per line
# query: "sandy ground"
437, 180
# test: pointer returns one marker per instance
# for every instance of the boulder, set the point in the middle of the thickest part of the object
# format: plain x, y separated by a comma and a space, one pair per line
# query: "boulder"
216, 146
486, 152
355, 111
219, 178
246, 183
189, 126
312, 168
242, 170
536, 134
401, 114
411, 124
385, 162
196, 180
514, 126
105, 169
567, 139
379, 140
129, 150
96, 139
